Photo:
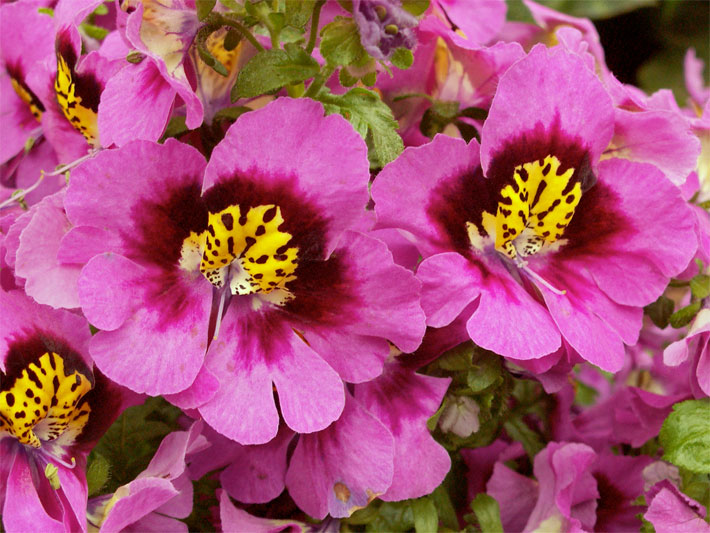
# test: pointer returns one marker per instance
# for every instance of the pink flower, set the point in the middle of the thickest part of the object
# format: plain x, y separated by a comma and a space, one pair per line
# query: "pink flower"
159, 496
379, 447
694, 349
671, 511
53, 408
553, 249
301, 301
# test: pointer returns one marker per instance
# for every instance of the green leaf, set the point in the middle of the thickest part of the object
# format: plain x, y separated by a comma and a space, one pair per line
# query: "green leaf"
204, 8
369, 79
276, 21
233, 5
415, 7
231, 113
205, 498
371, 118
132, 440
433, 420
346, 79
660, 311
340, 42
444, 507
475, 113
700, 286
683, 316
402, 58
646, 526
685, 436
210, 60
584, 394
272, 69
298, 12
426, 519
437, 116
458, 358
363, 516
467, 131
97, 472
486, 370
518, 430
176, 127
95, 32
392, 516
487, 513
101, 9
697, 486
258, 9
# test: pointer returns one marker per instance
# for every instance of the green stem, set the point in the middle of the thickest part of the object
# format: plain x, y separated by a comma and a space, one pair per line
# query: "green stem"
318, 81
314, 26
413, 95
275, 44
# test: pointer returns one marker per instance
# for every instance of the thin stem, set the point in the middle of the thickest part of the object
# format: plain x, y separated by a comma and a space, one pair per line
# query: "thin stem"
413, 95
314, 26
523, 265
319, 81
69, 166
220, 311
17, 195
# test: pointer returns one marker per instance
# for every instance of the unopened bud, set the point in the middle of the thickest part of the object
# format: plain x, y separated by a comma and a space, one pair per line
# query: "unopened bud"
381, 12
134, 56
391, 29
460, 416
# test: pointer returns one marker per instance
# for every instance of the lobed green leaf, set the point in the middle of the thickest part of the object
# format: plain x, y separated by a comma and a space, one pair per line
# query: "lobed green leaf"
340, 42
685, 436
371, 118
272, 69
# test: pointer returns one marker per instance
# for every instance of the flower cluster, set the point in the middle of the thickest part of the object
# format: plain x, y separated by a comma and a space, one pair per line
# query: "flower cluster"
373, 265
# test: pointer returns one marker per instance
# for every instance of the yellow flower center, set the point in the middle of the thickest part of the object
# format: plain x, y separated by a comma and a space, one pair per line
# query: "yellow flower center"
44, 402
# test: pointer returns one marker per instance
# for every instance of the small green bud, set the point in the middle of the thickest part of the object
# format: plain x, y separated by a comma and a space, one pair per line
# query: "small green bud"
391, 29
134, 56
381, 12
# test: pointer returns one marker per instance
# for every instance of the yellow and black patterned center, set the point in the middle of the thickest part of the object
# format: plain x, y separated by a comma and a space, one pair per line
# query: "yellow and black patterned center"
247, 247
28, 97
535, 209
44, 402
81, 117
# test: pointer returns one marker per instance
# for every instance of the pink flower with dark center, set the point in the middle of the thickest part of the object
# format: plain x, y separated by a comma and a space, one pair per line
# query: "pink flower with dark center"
545, 241
258, 282
53, 409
